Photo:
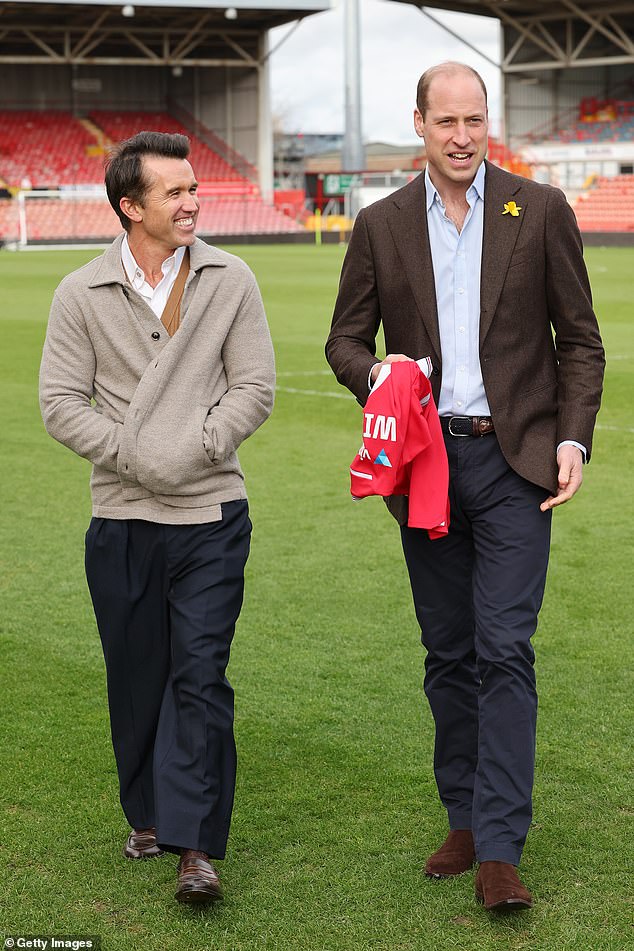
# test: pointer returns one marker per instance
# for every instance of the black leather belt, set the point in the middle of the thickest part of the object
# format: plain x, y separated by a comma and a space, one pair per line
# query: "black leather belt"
467, 425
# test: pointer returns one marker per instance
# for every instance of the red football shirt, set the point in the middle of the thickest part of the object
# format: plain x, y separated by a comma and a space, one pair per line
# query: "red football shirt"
403, 451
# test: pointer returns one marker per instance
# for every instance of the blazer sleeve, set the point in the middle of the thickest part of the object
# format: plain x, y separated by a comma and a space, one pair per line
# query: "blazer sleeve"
351, 344
578, 348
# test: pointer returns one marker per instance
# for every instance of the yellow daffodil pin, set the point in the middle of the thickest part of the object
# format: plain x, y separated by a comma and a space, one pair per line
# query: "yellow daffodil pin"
510, 208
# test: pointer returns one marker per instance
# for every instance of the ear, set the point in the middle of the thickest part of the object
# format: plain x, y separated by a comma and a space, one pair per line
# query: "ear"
131, 209
419, 124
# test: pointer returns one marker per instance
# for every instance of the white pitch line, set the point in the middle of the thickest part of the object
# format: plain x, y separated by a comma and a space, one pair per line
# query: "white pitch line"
349, 396
332, 396
306, 373
616, 429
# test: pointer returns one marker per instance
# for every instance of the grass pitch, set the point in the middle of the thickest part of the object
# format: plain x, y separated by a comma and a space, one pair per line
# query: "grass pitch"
336, 806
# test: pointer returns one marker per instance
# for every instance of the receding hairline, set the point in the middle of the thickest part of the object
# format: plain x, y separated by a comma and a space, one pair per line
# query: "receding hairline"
450, 67
149, 172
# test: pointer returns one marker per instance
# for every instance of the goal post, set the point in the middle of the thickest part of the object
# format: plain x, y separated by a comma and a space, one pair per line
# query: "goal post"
67, 215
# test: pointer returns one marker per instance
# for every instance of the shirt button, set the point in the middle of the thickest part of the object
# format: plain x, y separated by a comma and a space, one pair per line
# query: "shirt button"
461, 290
156, 335
459, 403
462, 369
461, 329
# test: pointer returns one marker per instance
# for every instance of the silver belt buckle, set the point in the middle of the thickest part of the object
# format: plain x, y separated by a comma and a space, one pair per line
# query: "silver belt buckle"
451, 432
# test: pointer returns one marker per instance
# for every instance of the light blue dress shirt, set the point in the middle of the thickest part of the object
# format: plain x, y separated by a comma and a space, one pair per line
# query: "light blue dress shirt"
456, 259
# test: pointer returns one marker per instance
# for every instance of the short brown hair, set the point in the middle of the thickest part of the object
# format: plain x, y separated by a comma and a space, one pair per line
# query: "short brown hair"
422, 90
124, 166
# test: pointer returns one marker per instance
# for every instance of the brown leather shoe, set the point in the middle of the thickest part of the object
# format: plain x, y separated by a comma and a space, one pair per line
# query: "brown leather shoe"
455, 856
198, 881
499, 888
141, 844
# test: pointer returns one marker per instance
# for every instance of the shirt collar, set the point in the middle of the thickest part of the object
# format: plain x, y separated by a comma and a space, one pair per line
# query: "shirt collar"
476, 188
135, 275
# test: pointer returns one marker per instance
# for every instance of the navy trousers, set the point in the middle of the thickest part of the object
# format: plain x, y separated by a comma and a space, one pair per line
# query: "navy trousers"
166, 599
477, 593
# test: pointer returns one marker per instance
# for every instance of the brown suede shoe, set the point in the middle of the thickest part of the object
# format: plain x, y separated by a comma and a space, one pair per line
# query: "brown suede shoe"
499, 888
141, 844
455, 856
198, 881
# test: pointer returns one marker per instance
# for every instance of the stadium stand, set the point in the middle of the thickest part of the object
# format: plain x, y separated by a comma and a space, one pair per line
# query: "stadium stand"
53, 149
57, 219
47, 148
607, 120
209, 165
501, 155
608, 205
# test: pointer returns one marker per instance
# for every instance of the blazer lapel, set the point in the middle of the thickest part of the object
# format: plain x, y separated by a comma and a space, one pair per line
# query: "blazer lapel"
407, 221
498, 239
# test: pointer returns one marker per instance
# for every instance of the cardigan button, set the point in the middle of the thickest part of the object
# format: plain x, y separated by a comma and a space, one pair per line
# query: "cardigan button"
156, 335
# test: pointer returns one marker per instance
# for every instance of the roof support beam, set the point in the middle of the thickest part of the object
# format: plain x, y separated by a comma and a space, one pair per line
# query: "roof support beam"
526, 31
457, 36
619, 29
186, 44
53, 54
551, 64
597, 23
546, 34
249, 60
84, 42
135, 41
558, 52
519, 42
581, 45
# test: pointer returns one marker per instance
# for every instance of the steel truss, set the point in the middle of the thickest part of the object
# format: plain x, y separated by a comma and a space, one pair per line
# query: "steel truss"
566, 34
102, 37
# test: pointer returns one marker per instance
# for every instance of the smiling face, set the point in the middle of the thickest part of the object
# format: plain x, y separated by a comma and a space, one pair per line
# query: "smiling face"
455, 129
166, 219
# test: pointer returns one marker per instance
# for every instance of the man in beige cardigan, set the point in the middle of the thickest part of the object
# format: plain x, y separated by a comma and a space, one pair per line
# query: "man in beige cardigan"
157, 364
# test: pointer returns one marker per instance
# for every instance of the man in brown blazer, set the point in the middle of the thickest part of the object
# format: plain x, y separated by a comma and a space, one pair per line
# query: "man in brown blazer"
482, 271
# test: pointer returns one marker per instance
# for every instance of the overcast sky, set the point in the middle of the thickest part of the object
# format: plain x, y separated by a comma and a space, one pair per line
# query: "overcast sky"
397, 44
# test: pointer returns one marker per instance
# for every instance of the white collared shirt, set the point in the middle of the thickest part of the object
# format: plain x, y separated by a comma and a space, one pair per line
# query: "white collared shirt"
155, 297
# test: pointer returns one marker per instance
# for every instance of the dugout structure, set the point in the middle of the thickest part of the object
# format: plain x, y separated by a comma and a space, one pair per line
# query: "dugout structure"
200, 60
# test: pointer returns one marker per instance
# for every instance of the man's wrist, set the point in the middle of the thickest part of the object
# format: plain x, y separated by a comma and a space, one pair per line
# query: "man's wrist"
572, 442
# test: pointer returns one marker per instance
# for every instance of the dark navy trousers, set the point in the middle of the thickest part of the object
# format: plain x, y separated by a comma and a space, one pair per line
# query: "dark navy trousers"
166, 599
477, 593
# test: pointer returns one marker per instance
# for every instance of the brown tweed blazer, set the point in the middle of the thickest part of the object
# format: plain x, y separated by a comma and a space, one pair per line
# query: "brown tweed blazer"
540, 349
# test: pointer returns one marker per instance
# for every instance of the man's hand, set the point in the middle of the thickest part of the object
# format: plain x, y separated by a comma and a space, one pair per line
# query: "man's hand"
391, 358
570, 461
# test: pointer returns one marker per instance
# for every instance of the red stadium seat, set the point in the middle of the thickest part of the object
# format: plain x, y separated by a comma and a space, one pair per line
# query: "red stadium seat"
608, 205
